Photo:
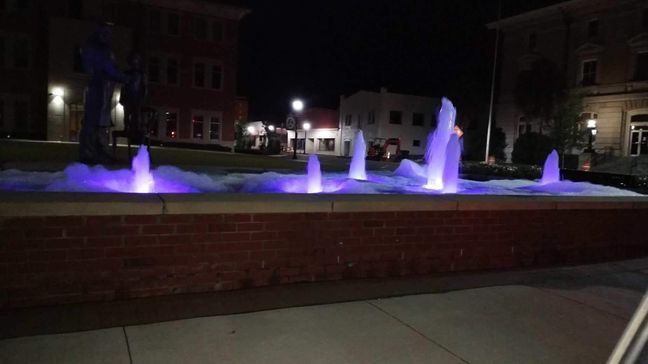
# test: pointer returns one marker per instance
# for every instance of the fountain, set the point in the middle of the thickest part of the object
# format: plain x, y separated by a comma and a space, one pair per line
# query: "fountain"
445, 128
357, 169
428, 147
314, 175
142, 178
551, 170
451, 168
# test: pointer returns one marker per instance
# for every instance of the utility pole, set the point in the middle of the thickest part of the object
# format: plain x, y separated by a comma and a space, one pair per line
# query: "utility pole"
492, 97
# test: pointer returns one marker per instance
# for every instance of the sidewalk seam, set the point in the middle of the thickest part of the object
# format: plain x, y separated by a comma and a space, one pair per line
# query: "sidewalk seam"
416, 331
130, 357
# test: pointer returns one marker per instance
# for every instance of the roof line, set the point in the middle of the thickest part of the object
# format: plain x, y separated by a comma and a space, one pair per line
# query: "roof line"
533, 13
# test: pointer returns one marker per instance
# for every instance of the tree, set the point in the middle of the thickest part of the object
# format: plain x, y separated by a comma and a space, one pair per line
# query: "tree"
475, 144
532, 148
537, 89
565, 129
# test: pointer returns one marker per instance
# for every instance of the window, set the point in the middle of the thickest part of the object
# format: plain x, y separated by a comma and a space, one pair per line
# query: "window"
155, 21
589, 72
360, 121
533, 41
173, 24
75, 8
371, 117
21, 114
77, 60
217, 31
216, 77
395, 117
197, 125
214, 128
327, 145
172, 71
348, 120
199, 75
418, 119
171, 124
200, 28
154, 70
593, 28
641, 66
416, 143
21, 53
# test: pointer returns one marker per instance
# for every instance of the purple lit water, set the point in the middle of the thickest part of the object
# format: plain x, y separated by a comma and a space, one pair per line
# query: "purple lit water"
451, 168
551, 170
142, 178
357, 170
314, 175
437, 148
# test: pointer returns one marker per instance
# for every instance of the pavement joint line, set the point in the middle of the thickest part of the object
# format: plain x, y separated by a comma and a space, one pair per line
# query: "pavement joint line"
130, 356
555, 294
416, 331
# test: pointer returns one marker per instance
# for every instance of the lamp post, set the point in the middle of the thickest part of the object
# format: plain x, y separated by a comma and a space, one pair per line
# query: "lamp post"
297, 107
591, 128
306, 126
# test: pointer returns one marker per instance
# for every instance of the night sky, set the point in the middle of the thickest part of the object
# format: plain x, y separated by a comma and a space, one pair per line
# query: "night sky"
319, 49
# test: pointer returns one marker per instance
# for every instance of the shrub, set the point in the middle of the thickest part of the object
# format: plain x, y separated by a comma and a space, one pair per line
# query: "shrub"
532, 148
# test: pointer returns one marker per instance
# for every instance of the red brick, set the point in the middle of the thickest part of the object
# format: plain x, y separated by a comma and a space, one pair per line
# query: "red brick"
36, 232
158, 229
63, 221
140, 240
141, 219
238, 218
103, 220
235, 236
176, 219
221, 227
64, 243
81, 254
47, 255
192, 228
114, 241
250, 226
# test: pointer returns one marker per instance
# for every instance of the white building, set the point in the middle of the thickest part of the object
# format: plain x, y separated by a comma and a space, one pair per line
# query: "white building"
317, 132
387, 115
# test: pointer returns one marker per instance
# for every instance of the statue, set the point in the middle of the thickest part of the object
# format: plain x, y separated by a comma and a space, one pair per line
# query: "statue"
99, 63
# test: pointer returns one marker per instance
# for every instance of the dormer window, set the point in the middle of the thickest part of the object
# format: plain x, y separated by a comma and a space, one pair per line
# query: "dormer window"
593, 28
533, 41
589, 72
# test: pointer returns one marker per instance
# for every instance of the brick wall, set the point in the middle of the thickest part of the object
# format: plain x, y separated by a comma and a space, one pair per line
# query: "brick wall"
54, 260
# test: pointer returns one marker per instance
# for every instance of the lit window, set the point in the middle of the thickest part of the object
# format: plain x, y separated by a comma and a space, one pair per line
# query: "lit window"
395, 117
171, 124
590, 69
197, 125
214, 128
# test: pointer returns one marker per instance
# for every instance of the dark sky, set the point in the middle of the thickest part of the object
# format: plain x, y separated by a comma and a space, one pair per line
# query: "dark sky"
319, 49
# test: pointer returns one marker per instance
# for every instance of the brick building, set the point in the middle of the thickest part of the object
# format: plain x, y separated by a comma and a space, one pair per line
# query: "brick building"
190, 49
602, 48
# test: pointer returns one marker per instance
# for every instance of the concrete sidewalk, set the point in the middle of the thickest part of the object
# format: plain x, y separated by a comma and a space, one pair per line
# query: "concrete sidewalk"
566, 315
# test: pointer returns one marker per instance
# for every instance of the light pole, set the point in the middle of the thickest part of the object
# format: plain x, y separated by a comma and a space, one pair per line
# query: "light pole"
297, 107
492, 96
306, 126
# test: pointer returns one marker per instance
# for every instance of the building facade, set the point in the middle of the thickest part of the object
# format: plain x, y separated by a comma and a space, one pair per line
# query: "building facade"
601, 48
385, 115
321, 134
190, 52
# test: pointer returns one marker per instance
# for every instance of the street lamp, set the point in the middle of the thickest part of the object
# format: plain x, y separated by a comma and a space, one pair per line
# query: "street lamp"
297, 107
591, 127
306, 126
271, 128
